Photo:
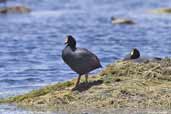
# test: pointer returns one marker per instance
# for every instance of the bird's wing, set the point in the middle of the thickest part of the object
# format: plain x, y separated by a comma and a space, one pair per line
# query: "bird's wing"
86, 54
82, 52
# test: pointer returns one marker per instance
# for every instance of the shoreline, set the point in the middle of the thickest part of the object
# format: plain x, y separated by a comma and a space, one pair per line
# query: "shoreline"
123, 84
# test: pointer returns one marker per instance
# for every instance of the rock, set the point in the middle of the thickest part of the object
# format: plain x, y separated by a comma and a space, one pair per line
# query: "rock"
121, 21
15, 9
161, 11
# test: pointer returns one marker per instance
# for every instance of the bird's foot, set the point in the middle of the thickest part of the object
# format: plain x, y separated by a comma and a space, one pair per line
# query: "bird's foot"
75, 88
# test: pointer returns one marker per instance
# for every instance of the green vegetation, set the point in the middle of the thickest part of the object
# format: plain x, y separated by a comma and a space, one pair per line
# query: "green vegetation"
119, 85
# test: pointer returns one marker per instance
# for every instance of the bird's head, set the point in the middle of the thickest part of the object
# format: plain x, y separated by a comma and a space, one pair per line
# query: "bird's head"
135, 53
113, 18
70, 41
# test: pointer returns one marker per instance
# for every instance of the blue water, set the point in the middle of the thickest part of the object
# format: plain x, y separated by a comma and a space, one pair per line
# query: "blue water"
31, 44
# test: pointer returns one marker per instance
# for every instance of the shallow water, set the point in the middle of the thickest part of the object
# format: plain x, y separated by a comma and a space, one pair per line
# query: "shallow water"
31, 44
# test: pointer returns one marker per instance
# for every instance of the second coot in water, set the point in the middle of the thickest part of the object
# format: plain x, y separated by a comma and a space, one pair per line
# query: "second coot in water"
80, 60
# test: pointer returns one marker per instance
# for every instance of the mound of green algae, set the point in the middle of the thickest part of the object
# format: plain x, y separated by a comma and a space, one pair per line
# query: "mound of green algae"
123, 84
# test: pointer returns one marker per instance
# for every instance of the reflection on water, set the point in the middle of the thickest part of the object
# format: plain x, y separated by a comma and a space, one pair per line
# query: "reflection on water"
31, 44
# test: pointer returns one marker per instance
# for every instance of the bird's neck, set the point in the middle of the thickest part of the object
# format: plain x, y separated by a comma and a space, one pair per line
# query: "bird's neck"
73, 48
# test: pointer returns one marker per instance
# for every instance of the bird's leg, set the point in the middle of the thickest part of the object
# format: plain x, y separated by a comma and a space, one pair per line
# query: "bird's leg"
86, 78
78, 81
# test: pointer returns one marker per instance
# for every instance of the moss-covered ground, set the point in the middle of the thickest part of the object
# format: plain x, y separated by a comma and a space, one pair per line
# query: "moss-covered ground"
123, 84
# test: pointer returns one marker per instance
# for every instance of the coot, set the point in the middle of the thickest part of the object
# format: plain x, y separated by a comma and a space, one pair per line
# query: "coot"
80, 60
134, 54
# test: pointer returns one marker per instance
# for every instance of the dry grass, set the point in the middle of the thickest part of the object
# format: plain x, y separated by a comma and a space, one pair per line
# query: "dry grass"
121, 84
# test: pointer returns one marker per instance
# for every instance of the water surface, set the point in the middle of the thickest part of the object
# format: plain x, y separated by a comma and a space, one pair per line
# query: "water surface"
31, 44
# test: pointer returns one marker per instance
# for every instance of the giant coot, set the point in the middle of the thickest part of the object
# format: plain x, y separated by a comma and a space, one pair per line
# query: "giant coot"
134, 56
80, 60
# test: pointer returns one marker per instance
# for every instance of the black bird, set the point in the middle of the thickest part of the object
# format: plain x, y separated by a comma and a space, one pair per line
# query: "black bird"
80, 60
134, 54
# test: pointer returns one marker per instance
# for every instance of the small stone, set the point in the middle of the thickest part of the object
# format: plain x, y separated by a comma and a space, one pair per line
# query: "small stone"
121, 21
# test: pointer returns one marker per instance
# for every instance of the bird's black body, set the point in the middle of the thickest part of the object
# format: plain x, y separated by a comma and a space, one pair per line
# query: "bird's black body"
80, 60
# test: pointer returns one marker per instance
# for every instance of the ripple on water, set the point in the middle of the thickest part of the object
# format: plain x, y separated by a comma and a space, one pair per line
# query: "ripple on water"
31, 44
